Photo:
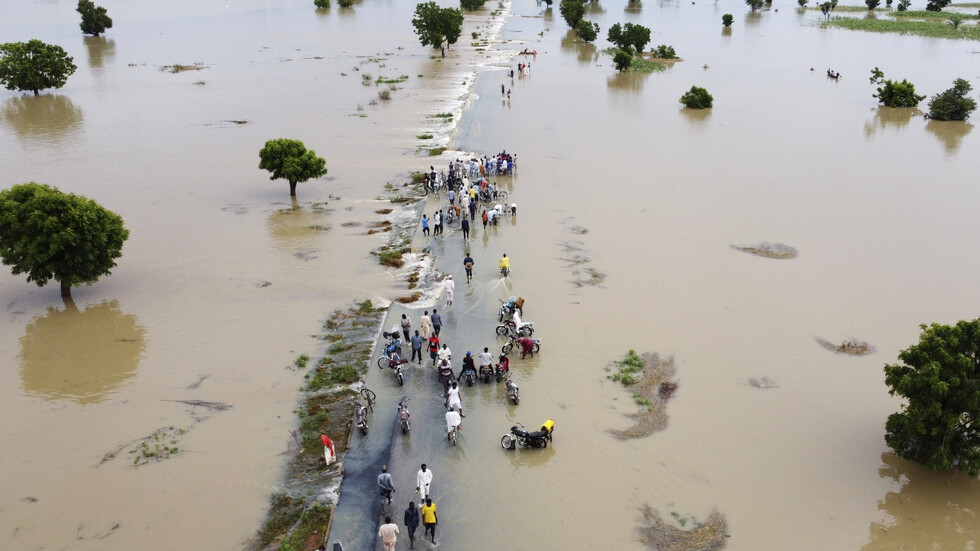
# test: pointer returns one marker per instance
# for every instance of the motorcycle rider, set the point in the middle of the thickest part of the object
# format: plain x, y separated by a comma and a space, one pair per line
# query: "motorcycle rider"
445, 375
504, 364
486, 359
468, 365
505, 263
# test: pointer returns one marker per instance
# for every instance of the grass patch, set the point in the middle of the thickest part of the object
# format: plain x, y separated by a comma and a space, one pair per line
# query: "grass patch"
628, 368
709, 535
409, 299
424, 137
306, 533
649, 378
383, 211
923, 14
932, 29
382, 80
329, 375
284, 512
640, 65
178, 68
300, 362
436, 151
444, 116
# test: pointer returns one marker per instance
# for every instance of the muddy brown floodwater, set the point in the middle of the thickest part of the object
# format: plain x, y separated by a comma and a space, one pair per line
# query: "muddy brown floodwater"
223, 281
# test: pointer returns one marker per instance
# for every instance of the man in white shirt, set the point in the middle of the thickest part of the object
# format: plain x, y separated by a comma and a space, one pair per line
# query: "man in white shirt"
445, 353
422, 481
452, 398
388, 534
452, 422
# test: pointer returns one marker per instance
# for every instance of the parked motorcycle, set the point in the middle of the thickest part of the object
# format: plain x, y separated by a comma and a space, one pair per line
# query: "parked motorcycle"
486, 373
513, 342
394, 343
537, 439
360, 417
501, 370
510, 327
508, 308
404, 415
512, 392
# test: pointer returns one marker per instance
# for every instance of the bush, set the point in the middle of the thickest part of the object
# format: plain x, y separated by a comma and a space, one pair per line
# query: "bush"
622, 59
664, 52
727, 19
697, 98
587, 31
894, 94
572, 11
321, 3
754, 4
952, 105
471, 5
346, 3
802, 3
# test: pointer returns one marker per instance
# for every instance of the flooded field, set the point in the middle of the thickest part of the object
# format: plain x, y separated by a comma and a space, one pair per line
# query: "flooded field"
224, 281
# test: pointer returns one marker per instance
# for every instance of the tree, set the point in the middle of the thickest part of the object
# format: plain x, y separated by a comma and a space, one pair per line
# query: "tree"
903, 5
321, 3
471, 5
754, 4
623, 59
955, 20
34, 66
697, 98
727, 20
437, 26
48, 234
95, 19
940, 378
952, 104
802, 3
572, 11
664, 51
937, 5
346, 3
629, 36
290, 160
587, 31
894, 94
872, 4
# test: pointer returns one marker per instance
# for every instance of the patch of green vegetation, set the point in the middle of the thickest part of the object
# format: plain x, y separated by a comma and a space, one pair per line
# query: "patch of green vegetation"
436, 151
300, 362
367, 307
284, 512
444, 116
339, 347
382, 80
640, 65
160, 445
326, 376
311, 521
422, 137
934, 29
628, 368
642, 401
178, 68
923, 14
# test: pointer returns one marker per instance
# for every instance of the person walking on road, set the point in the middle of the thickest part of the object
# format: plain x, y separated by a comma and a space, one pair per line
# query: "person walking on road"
450, 289
406, 327
425, 225
468, 264
433, 348
436, 322
388, 534
411, 521
429, 519
417, 346
423, 479
464, 225
387, 487
425, 322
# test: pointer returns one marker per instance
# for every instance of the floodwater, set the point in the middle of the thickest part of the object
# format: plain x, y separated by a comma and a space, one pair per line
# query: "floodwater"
224, 280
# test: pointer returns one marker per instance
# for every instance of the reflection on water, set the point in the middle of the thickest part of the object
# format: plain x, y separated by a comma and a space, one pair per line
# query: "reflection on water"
295, 229
931, 510
584, 52
697, 117
950, 133
80, 355
889, 116
753, 18
593, 8
44, 118
726, 31
100, 50
630, 81
633, 6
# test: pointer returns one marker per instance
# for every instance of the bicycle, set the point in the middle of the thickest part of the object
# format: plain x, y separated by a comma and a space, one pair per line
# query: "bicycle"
453, 435
369, 397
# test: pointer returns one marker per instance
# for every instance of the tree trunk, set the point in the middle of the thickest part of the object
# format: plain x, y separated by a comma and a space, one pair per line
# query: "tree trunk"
292, 189
65, 290
443, 49
38, 93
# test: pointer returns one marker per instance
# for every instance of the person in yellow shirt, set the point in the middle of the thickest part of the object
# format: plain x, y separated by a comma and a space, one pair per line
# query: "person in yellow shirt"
429, 518
505, 265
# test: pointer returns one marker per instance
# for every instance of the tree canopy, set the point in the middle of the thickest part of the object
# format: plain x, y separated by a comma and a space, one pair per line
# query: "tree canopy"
471, 5
34, 66
291, 161
95, 19
697, 98
48, 234
940, 378
587, 31
629, 36
952, 104
572, 11
894, 94
437, 26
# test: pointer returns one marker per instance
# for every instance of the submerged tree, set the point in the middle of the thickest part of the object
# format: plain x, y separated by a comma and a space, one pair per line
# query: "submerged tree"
95, 19
940, 378
629, 36
894, 94
48, 234
697, 98
872, 4
321, 3
952, 104
754, 4
471, 5
903, 5
587, 31
437, 27
572, 11
291, 161
34, 66
727, 20
936, 5
623, 58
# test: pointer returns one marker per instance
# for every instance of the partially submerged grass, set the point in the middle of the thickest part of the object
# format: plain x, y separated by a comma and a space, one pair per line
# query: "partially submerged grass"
932, 29
769, 250
649, 378
178, 68
383, 80
924, 14
851, 347
709, 535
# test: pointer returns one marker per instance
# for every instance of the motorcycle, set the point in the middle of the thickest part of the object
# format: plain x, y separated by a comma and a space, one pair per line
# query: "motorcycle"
486, 373
501, 371
512, 329
394, 342
512, 392
396, 366
537, 439
360, 417
508, 308
504, 272
513, 342
469, 376
403, 415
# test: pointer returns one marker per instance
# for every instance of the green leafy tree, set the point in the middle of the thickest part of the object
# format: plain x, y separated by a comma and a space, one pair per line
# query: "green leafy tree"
623, 58
936, 5
471, 5
952, 104
664, 51
587, 31
903, 5
48, 234
872, 4
802, 3
956, 20
321, 3
290, 160
437, 27
754, 4
697, 98
95, 19
572, 11
346, 3
894, 94
727, 20
940, 378
34, 66
629, 36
